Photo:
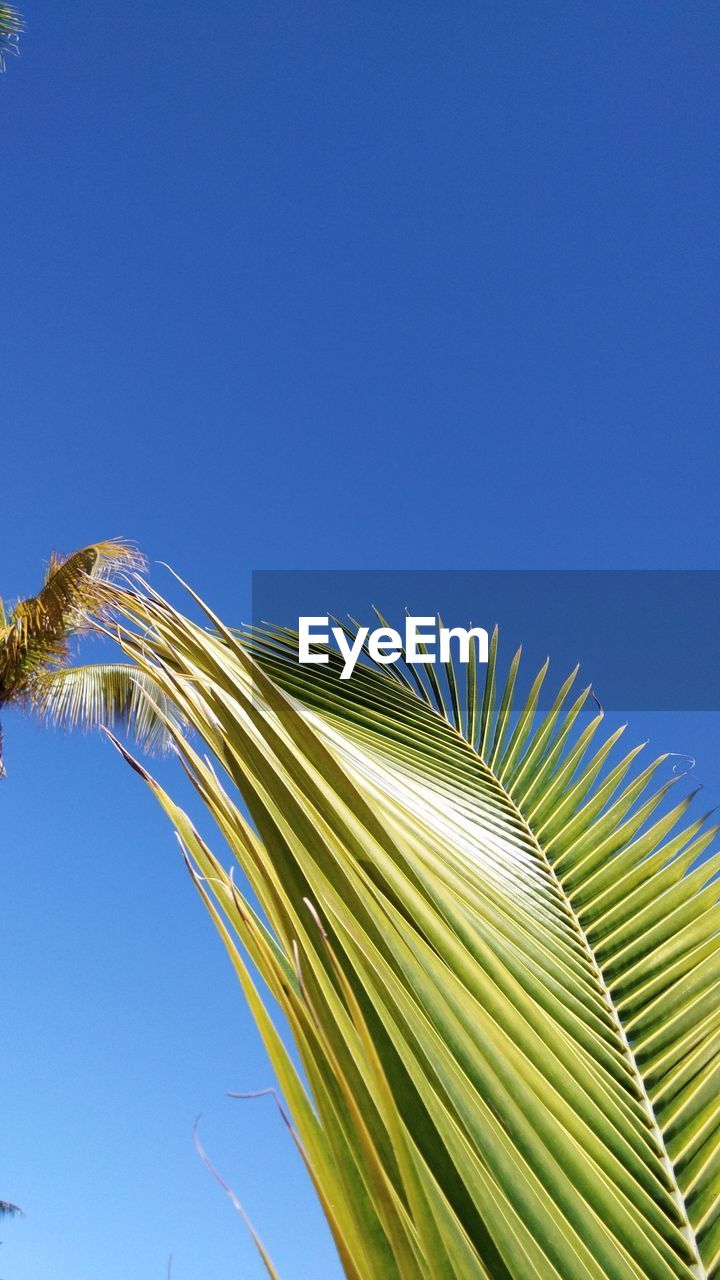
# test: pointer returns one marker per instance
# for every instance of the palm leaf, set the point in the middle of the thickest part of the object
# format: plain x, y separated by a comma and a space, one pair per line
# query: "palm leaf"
499, 966
11, 24
8, 1210
111, 695
76, 585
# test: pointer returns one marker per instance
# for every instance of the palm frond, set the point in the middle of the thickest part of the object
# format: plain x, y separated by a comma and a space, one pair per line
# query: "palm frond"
111, 695
11, 25
8, 1210
497, 950
73, 584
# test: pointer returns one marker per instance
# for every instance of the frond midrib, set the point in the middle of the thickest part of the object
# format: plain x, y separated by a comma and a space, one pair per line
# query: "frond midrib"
697, 1268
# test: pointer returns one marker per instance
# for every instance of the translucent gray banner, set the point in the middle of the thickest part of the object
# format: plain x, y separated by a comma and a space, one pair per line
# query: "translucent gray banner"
646, 639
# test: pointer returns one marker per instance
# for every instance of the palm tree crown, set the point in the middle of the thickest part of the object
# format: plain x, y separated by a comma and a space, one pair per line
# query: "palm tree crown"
36, 635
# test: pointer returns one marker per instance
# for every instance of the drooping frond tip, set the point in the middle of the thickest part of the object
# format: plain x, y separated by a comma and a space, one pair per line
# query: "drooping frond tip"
103, 561
75, 586
8, 1210
11, 24
85, 582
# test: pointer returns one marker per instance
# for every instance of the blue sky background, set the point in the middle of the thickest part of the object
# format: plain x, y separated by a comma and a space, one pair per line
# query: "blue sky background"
308, 285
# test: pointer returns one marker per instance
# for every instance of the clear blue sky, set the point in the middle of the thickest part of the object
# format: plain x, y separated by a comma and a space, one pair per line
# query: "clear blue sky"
307, 284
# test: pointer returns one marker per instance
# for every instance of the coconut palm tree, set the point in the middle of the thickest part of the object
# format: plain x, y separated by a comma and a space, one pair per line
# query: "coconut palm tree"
497, 951
11, 24
36, 638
